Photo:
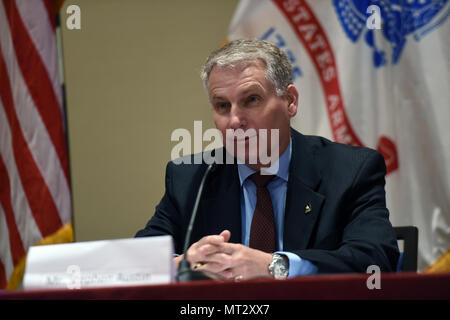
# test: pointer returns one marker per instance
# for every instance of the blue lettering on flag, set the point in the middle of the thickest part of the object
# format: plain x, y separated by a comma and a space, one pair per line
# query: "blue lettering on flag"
277, 39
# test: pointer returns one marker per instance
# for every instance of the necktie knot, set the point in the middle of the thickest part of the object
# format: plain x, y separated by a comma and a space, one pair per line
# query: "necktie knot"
261, 180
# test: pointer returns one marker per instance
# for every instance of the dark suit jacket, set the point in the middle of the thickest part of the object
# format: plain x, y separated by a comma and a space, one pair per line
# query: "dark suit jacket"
347, 230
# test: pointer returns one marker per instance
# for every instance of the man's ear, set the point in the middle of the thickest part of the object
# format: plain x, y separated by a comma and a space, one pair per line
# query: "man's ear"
292, 98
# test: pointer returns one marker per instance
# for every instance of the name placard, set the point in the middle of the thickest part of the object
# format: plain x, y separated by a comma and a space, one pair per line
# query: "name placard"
104, 263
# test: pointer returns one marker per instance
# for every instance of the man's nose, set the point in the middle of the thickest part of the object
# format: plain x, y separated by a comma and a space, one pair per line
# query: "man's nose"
237, 118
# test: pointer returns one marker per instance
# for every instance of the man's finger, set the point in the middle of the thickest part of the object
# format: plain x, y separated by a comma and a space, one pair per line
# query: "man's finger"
195, 254
208, 249
220, 258
226, 273
213, 239
226, 234
213, 267
229, 248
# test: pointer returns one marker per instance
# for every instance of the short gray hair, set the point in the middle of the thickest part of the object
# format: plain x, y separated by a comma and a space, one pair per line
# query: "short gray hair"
237, 52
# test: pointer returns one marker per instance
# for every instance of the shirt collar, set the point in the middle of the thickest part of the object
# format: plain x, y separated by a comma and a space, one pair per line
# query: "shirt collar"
282, 163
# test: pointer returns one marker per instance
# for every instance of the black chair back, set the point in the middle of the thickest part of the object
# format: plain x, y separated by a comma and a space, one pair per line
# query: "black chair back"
408, 258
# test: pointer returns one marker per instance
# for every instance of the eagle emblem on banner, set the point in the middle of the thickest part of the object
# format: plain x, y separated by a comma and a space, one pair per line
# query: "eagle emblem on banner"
400, 19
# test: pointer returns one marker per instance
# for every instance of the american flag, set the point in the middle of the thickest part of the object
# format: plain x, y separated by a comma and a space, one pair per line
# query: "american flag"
35, 202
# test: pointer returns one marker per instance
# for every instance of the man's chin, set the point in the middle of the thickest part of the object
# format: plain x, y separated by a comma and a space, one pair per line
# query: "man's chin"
250, 157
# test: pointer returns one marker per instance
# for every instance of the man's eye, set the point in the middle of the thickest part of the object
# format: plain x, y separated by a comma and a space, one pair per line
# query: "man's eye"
253, 99
221, 105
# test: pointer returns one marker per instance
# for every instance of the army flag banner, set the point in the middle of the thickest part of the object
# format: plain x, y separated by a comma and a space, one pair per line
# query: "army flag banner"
374, 73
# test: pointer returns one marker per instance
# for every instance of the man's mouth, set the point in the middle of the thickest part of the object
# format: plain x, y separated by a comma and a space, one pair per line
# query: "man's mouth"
240, 136
244, 138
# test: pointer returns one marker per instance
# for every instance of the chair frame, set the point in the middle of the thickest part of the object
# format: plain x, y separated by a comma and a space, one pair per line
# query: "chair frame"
409, 235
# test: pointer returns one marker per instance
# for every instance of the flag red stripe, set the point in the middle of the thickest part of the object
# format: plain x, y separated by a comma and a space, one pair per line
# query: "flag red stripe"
15, 242
38, 195
299, 15
38, 82
3, 281
50, 7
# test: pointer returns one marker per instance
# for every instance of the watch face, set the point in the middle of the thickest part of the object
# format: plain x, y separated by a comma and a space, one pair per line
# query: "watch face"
280, 271
279, 267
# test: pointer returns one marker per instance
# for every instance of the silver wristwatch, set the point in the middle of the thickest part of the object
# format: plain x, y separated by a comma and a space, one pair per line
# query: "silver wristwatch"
279, 267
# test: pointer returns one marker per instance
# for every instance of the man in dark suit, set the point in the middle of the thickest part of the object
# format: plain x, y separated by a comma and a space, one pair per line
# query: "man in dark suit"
322, 211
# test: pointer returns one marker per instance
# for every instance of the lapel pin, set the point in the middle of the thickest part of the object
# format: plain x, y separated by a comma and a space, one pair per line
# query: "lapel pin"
308, 208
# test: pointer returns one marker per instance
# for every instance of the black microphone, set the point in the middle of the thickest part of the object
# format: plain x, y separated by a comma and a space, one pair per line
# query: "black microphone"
184, 269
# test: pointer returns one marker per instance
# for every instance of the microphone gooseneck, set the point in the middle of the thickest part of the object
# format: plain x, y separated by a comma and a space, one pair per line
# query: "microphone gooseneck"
184, 269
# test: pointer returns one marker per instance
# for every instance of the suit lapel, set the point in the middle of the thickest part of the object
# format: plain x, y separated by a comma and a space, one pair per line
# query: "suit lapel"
303, 203
221, 209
